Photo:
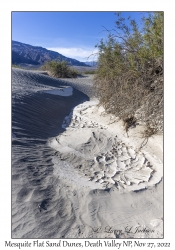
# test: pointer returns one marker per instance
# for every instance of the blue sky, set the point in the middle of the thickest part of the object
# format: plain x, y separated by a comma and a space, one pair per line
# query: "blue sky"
73, 34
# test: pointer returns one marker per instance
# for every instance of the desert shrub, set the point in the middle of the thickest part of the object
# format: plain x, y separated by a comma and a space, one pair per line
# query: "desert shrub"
59, 69
16, 66
129, 78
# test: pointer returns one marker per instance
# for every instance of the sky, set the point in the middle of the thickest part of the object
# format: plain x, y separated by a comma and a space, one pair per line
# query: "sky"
5, 95
72, 34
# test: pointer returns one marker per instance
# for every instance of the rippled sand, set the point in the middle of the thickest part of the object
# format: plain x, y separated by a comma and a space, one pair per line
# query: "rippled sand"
75, 175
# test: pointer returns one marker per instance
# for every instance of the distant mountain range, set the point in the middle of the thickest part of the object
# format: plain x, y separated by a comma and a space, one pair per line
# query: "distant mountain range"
92, 63
35, 55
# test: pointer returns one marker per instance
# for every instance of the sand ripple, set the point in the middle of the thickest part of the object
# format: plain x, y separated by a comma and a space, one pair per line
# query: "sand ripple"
84, 183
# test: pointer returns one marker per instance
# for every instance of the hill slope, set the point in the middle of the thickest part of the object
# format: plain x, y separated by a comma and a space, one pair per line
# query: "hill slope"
25, 53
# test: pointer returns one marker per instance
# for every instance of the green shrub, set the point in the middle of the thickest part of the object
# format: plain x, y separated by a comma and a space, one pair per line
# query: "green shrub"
130, 71
59, 69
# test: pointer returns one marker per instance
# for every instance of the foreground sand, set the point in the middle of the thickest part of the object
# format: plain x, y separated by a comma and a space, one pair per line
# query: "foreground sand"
87, 178
121, 184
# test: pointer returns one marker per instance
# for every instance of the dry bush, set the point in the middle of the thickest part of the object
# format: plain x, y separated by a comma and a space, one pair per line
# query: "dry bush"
129, 122
59, 69
129, 79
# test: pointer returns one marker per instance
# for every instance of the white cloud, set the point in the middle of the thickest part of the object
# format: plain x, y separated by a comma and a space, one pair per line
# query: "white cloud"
80, 54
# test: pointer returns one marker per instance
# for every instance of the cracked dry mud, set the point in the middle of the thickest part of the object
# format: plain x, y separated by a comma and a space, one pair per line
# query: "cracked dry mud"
71, 189
102, 158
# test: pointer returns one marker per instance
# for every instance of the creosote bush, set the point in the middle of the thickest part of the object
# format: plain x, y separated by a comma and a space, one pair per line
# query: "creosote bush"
59, 69
129, 78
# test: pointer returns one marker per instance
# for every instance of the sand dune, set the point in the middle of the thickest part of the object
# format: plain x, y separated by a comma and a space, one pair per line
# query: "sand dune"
75, 172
